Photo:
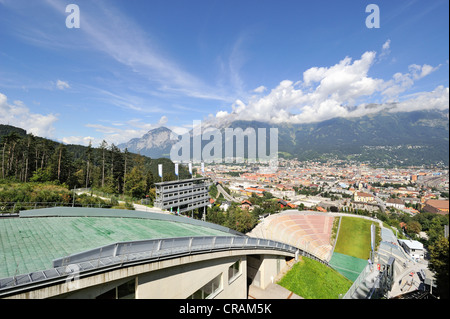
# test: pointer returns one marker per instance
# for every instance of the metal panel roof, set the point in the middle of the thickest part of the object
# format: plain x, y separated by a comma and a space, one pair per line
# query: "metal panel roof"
31, 242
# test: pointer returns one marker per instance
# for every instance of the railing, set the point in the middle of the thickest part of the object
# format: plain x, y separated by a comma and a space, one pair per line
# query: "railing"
362, 276
123, 254
171, 247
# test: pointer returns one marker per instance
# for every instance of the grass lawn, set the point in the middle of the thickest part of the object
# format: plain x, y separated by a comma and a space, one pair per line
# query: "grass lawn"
313, 280
354, 237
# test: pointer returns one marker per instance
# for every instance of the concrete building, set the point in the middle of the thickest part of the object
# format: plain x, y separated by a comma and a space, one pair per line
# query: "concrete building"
104, 253
182, 195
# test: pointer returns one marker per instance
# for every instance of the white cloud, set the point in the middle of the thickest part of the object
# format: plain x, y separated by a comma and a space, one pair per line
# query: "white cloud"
62, 85
341, 90
221, 114
80, 140
17, 114
386, 49
260, 89
401, 82
437, 99
163, 120
419, 72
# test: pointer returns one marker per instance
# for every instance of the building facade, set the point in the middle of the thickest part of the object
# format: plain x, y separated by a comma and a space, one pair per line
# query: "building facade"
182, 195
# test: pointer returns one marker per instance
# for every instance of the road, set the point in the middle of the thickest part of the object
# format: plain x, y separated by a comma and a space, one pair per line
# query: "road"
226, 195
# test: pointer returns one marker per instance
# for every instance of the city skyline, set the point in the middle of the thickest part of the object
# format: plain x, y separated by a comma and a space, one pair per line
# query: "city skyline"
131, 67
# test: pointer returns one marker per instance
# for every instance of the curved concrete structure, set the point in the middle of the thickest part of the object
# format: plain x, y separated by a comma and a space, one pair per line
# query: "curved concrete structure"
101, 253
308, 231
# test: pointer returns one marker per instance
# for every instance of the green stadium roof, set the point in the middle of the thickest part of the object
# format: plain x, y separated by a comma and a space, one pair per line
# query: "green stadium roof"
31, 242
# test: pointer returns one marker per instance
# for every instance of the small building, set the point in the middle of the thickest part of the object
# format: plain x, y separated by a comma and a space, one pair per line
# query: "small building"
413, 248
396, 203
246, 204
362, 197
284, 203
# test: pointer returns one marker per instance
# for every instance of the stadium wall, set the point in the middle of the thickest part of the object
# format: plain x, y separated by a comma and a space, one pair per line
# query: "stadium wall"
176, 278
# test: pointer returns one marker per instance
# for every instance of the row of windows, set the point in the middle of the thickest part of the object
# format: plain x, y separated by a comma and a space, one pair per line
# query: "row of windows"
188, 192
187, 199
124, 291
177, 186
213, 287
186, 185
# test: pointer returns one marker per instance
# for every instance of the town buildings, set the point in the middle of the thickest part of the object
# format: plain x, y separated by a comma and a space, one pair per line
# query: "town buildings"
345, 185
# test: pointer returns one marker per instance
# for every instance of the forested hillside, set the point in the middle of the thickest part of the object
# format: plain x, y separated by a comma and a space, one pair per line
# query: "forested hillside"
29, 158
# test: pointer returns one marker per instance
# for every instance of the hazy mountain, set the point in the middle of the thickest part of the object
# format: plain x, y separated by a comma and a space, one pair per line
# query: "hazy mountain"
386, 138
155, 143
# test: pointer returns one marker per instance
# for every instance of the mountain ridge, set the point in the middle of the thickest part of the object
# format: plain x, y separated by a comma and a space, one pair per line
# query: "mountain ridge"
401, 138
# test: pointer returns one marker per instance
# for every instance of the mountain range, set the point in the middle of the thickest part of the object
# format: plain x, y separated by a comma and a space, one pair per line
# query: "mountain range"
385, 138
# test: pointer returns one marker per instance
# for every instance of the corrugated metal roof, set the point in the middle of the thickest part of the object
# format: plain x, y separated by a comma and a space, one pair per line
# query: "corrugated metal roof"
31, 242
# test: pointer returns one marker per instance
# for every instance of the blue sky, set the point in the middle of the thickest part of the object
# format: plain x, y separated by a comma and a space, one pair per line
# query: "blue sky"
135, 65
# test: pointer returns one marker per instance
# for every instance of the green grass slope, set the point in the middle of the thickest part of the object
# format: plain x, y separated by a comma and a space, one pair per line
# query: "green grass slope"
352, 247
354, 237
313, 280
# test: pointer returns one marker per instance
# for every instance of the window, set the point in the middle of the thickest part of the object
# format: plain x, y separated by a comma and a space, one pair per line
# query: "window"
127, 290
234, 271
124, 291
209, 290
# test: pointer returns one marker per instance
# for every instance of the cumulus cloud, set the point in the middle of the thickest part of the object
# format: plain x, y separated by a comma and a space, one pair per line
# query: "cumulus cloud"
438, 99
17, 114
341, 90
419, 72
221, 114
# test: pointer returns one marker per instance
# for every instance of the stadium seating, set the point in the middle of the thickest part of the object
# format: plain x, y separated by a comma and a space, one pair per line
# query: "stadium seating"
309, 231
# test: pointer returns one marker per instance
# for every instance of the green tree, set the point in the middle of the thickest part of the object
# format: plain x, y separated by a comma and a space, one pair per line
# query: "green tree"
150, 183
41, 175
413, 227
213, 191
60, 164
88, 163
103, 149
439, 263
135, 184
